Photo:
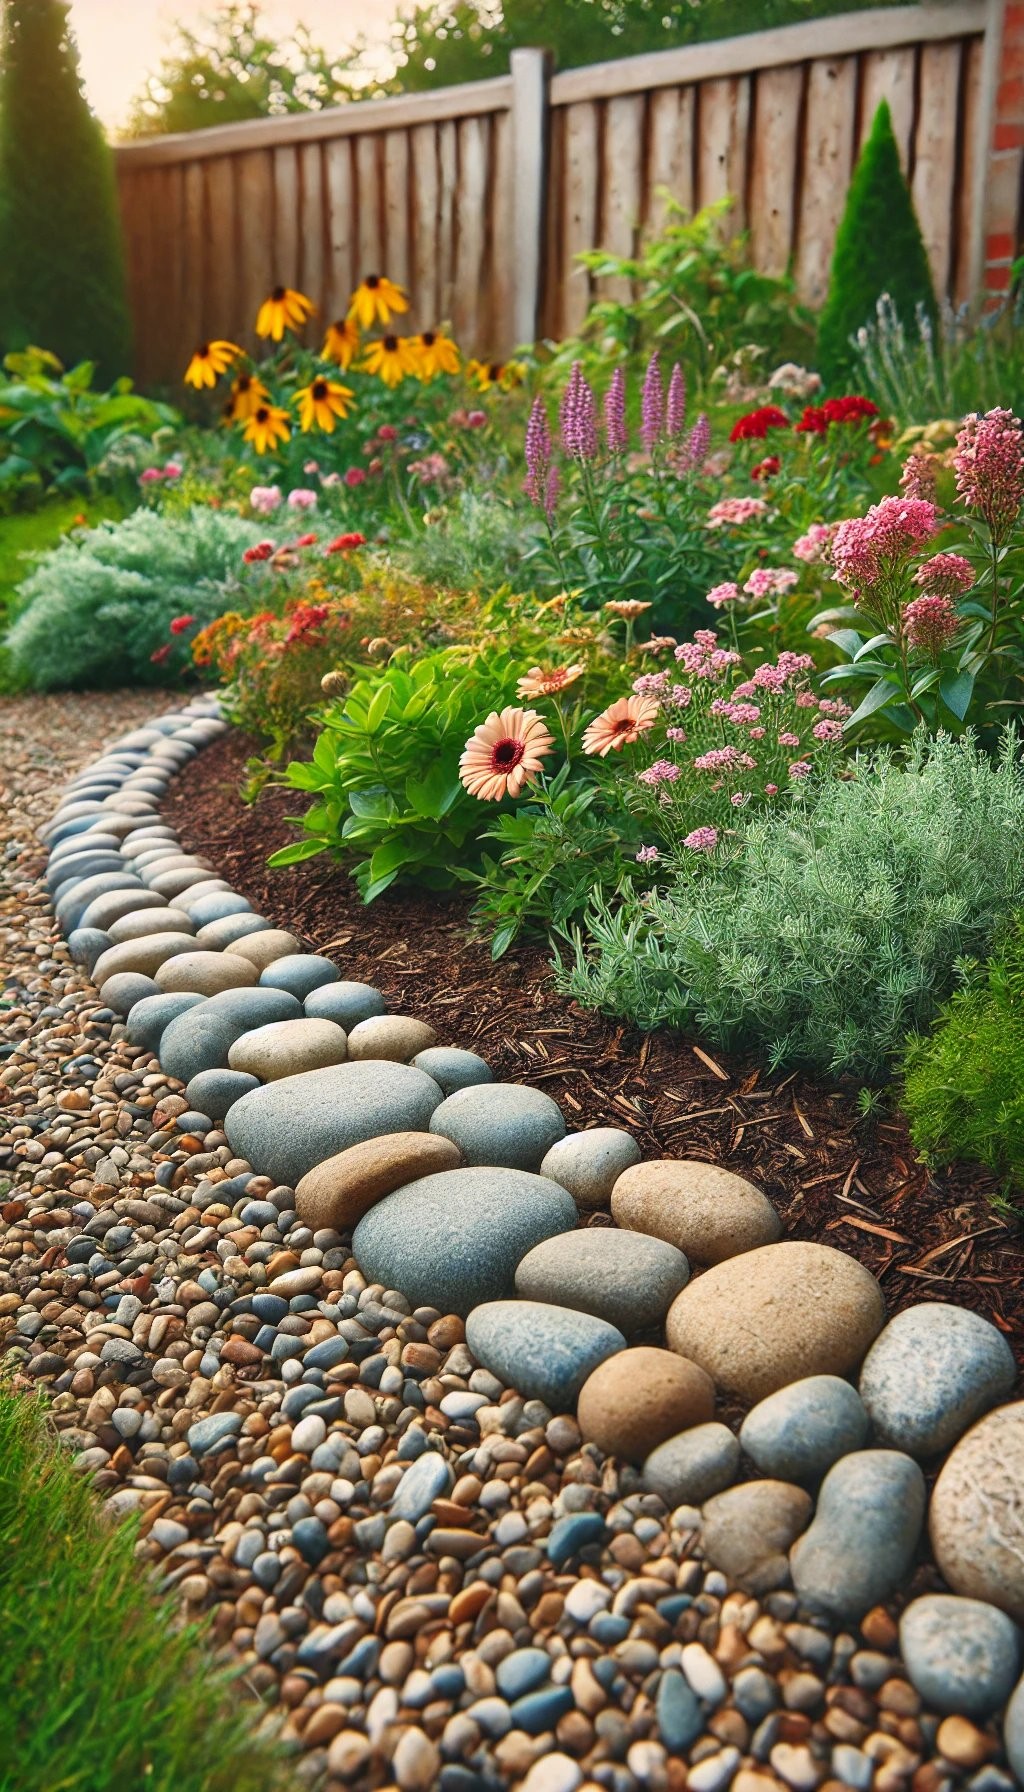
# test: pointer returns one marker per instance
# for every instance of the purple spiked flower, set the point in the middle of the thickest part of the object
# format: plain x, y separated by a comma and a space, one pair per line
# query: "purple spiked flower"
579, 416
675, 418
699, 443
538, 451
615, 433
652, 406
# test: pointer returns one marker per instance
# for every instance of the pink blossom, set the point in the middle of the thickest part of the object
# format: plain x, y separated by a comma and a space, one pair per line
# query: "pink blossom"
989, 463
805, 700
703, 658
355, 476
718, 759
331, 479
771, 581
832, 732
740, 713
650, 684
150, 476
867, 550
786, 739
476, 419
834, 706
757, 733
648, 855
723, 594
739, 797
930, 623
311, 468
801, 768
812, 545
302, 498
702, 840
771, 790
736, 511
265, 499
661, 772
675, 734
173, 470
917, 480
946, 574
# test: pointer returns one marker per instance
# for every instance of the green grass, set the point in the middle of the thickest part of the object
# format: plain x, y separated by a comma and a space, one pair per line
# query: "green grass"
103, 1689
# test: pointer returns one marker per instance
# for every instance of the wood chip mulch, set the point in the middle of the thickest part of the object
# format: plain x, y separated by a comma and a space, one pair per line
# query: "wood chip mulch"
832, 1176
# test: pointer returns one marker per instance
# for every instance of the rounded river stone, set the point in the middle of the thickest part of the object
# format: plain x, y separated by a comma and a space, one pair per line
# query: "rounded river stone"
544, 1352
213, 1092
287, 1047
799, 1432
345, 1003
590, 1163
146, 955
747, 1530
1013, 1732
286, 1128
218, 905
688, 1469
207, 972
506, 1124
264, 948
453, 1240
147, 921
215, 935
861, 1544
151, 1017
125, 988
625, 1277
72, 908
396, 1038
962, 1655
299, 974
977, 1512
807, 1310
103, 911
201, 1041
86, 944
642, 1397
339, 1191
707, 1213
933, 1371
452, 1069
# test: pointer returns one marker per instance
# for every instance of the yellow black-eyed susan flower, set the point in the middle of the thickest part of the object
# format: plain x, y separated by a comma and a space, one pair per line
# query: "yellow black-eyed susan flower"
435, 353
374, 300
504, 374
341, 342
321, 402
248, 393
210, 360
284, 310
391, 358
267, 428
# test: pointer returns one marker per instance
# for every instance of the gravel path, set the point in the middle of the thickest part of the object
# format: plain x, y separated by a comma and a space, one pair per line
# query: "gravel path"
525, 1614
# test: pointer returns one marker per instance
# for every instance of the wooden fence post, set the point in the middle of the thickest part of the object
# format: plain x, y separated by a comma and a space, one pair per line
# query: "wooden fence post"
530, 124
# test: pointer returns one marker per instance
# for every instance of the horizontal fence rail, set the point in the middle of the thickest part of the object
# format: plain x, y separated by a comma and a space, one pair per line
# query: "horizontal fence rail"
480, 197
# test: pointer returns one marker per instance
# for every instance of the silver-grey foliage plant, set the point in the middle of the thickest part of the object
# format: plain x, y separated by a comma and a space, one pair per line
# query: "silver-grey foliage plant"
829, 931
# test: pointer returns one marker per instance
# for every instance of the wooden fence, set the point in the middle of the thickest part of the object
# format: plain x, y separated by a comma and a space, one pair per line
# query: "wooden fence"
479, 197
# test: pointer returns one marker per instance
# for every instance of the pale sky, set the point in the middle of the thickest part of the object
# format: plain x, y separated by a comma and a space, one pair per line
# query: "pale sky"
121, 41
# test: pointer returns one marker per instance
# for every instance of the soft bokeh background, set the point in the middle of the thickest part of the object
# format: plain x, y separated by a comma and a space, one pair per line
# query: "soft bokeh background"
121, 41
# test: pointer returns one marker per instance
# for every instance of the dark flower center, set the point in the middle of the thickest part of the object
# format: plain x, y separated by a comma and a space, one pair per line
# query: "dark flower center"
243, 382
624, 726
372, 281
278, 294
203, 351
263, 415
494, 372
391, 344
341, 326
428, 338
507, 754
320, 390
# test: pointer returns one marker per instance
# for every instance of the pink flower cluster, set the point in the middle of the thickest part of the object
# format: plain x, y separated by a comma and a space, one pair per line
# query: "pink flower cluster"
930, 623
302, 499
265, 499
866, 550
947, 574
156, 475
648, 855
812, 545
735, 511
771, 581
718, 759
702, 840
740, 713
775, 678
723, 594
661, 772
703, 658
917, 479
989, 464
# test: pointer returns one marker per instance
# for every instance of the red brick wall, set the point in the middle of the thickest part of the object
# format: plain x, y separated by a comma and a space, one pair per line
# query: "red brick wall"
1003, 188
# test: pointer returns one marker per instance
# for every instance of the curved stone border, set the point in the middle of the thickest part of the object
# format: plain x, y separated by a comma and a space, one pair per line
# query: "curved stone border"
462, 1192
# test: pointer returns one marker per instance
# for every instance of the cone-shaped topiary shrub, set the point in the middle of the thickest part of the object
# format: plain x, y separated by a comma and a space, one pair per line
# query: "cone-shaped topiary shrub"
62, 284
879, 248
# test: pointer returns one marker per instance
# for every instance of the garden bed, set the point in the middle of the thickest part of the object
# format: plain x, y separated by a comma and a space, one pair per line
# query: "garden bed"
832, 1175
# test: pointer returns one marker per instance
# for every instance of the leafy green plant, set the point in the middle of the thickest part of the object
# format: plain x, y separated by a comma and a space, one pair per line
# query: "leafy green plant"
56, 432
824, 934
385, 772
99, 606
878, 248
62, 278
110, 1689
962, 1092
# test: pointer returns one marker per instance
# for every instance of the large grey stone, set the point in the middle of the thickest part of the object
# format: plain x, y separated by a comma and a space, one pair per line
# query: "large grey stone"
300, 973
201, 1040
126, 988
146, 954
213, 1092
208, 973
506, 1124
452, 1069
146, 921
590, 1163
215, 935
86, 944
862, 1541
933, 1370
797, 1433
151, 1017
74, 905
688, 1469
962, 1655
218, 905
977, 1512
345, 1003
66, 874
625, 1277
453, 1240
747, 1530
544, 1352
103, 911
296, 1122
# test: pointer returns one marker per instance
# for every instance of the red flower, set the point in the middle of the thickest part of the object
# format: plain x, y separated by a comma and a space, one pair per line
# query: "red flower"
754, 426
849, 409
765, 468
387, 433
305, 541
160, 654
262, 551
306, 619
813, 421
355, 476
343, 543
180, 623
476, 419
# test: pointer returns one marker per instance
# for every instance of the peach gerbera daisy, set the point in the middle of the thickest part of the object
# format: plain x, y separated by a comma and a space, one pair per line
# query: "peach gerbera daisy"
538, 683
503, 753
620, 725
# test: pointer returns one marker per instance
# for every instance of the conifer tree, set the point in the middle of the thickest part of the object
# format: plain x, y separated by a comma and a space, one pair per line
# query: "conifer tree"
879, 248
61, 260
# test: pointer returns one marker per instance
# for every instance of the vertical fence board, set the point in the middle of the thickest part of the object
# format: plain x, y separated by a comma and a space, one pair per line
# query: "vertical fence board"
723, 116
622, 197
398, 252
283, 263
971, 121
470, 223
341, 257
935, 155
501, 323
827, 162
581, 209
368, 195
311, 223
448, 166
253, 199
171, 216
889, 75
671, 154
224, 313
426, 292
775, 167
195, 246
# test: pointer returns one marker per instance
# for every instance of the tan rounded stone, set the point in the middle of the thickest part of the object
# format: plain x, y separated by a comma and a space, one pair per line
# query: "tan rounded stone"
747, 1531
340, 1190
976, 1519
395, 1037
707, 1213
286, 1047
638, 1398
145, 921
265, 948
206, 973
145, 955
775, 1315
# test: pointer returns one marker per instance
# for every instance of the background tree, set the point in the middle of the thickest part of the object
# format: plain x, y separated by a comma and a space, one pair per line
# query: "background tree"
229, 68
62, 284
879, 248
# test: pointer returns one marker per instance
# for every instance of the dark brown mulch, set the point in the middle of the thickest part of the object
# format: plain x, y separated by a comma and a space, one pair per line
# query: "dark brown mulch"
831, 1175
